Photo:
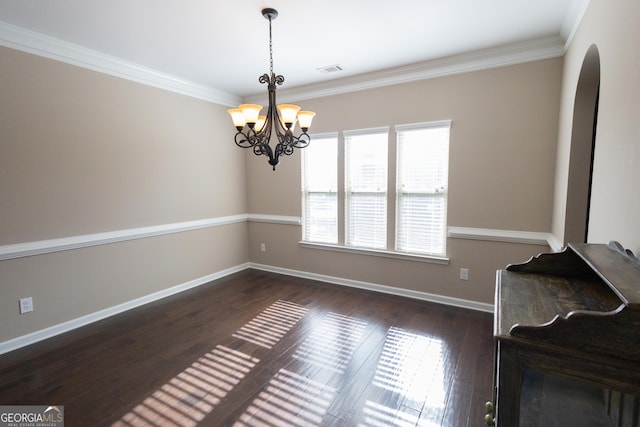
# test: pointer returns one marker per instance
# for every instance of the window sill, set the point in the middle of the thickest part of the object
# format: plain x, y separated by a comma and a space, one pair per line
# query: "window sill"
433, 259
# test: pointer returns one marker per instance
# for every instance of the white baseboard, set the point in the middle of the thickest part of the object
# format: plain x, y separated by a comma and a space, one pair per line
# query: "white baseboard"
408, 293
52, 331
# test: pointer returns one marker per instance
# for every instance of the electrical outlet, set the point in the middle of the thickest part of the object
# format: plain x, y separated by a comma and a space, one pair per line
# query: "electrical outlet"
263, 247
26, 305
464, 274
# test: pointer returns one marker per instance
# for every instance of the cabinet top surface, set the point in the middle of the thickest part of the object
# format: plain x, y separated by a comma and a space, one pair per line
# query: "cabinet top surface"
596, 279
619, 271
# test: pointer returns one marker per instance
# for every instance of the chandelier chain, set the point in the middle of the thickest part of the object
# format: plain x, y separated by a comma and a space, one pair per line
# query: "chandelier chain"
270, 49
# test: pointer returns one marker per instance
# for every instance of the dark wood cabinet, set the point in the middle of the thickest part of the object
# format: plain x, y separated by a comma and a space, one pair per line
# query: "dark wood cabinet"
567, 331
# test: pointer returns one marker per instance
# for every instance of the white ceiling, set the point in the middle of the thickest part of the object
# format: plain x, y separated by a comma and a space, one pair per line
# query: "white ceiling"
223, 44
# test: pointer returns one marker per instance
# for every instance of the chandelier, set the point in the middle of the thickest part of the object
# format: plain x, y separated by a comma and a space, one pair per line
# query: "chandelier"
255, 131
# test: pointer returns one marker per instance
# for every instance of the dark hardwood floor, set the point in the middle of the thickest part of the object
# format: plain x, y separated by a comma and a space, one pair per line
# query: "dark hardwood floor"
261, 349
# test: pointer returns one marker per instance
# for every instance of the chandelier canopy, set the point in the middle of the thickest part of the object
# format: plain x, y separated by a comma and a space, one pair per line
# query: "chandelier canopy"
255, 131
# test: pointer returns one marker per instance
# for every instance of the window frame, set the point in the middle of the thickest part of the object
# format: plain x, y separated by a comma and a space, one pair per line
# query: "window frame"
306, 219
374, 191
439, 178
391, 195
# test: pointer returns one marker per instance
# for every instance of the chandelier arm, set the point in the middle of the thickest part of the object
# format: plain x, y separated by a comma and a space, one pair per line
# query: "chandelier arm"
260, 141
262, 150
261, 147
286, 149
264, 78
283, 149
302, 140
243, 140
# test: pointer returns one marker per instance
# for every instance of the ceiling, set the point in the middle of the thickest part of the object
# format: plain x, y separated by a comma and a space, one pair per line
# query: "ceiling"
225, 44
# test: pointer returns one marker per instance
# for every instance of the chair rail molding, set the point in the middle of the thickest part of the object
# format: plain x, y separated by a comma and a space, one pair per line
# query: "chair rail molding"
19, 250
506, 236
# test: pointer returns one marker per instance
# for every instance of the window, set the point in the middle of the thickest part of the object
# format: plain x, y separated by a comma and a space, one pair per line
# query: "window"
421, 187
366, 188
319, 189
357, 214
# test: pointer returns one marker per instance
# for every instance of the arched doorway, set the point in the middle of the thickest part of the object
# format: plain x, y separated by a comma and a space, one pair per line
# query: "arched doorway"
583, 139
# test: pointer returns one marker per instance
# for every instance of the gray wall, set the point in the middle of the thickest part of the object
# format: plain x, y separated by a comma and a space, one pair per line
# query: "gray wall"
614, 28
502, 159
84, 153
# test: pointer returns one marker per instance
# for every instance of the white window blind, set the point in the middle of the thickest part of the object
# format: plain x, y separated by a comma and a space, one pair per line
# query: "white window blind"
366, 188
421, 193
319, 190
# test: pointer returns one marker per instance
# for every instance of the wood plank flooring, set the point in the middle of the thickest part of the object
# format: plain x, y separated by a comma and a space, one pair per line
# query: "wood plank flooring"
261, 349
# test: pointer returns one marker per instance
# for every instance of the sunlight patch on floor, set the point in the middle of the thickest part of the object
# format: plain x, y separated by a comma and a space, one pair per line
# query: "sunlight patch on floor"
376, 415
188, 397
411, 366
268, 327
332, 342
289, 399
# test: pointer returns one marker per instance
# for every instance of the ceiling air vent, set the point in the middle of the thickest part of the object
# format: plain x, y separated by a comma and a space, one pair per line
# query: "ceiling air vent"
330, 68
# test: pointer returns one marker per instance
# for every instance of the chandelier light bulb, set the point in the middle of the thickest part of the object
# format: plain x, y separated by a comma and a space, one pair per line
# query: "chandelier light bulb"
288, 113
304, 119
251, 113
237, 116
260, 123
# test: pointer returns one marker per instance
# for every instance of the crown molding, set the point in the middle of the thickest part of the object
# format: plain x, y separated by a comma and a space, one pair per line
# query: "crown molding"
511, 54
24, 40
34, 43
